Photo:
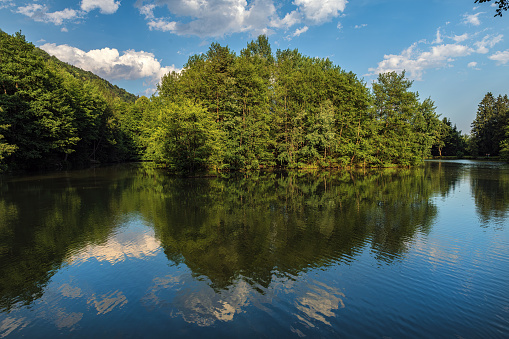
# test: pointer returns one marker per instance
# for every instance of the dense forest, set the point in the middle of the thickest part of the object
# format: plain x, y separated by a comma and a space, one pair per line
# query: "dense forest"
225, 111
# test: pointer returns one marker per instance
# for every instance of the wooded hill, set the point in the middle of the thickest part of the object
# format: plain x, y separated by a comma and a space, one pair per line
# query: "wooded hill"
223, 111
53, 114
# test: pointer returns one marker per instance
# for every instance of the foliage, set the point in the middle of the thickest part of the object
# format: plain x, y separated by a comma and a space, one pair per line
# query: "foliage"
294, 111
54, 117
404, 126
222, 111
222, 228
503, 5
450, 141
182, 136
489, 126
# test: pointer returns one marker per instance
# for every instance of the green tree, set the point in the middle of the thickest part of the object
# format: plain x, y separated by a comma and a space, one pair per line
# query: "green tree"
488, 127
402, 136
34, 105
182, 136
5, 148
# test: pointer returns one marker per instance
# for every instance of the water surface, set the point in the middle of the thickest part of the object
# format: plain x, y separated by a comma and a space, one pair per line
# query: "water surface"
127, 251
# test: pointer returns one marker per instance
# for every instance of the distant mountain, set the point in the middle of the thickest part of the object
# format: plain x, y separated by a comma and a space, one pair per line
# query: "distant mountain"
109, 90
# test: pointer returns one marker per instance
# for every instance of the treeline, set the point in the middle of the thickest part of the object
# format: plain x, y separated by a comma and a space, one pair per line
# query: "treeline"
222, 111
53, 114
287, 110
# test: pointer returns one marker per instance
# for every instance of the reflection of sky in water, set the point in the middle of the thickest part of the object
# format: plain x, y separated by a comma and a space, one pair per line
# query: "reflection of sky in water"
127, 284
87, 291
133, 241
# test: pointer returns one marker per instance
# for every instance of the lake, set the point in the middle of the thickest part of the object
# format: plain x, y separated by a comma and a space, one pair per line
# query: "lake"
129, 252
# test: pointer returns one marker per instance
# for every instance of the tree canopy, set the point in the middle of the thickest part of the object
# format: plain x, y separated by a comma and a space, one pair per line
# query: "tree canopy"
223, 111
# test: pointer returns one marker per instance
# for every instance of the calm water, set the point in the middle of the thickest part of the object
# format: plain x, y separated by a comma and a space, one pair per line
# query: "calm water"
129, 252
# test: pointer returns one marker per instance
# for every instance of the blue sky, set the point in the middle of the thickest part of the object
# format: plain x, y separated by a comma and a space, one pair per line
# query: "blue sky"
454, 50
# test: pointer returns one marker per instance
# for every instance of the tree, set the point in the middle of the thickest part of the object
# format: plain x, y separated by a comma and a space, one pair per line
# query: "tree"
503, 5
34, 104
182, 136
5, 148
488, 127
402, 136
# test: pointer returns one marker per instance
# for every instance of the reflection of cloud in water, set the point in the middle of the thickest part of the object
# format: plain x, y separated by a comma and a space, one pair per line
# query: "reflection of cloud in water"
197, 303
69, 291
66, 320
107, 302
11, 324
201, 306
119, 248
205, 306
319, 302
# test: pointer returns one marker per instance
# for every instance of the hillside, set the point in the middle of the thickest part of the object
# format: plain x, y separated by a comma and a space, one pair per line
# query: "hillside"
109, 90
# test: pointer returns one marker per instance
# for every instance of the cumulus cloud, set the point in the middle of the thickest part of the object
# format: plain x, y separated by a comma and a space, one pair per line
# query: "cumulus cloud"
500, 57
416, 62
211, 18
214, 18
360, 26
40, 13
290, 19
442, 52
472, 19
104, 6
320, 11
112, 65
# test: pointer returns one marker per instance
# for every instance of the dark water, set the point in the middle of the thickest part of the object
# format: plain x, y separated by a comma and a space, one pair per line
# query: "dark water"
129, 252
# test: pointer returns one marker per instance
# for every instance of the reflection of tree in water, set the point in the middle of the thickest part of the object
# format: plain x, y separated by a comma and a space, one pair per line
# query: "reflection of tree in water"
490, 188
42, 219
282, 224
253, 227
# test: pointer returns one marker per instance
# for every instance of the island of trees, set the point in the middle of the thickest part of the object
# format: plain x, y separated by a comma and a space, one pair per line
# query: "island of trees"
225, 111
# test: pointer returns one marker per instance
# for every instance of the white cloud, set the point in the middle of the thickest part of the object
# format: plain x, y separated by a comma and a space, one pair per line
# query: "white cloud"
161, 25
339, 25
360, 26
147, 11
442, 52
64, 29
110, 64
300, 31
320, 11
6, 4
416, 62
472, 19
216, 18
487, 41
460, 38
501, 58
212, 17
40, 13
438, 39
290, 19
105, 6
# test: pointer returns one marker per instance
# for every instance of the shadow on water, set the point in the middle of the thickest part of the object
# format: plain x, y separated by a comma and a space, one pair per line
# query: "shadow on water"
252, 226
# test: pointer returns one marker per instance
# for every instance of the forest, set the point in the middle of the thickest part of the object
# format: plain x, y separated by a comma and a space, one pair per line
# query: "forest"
225, 111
